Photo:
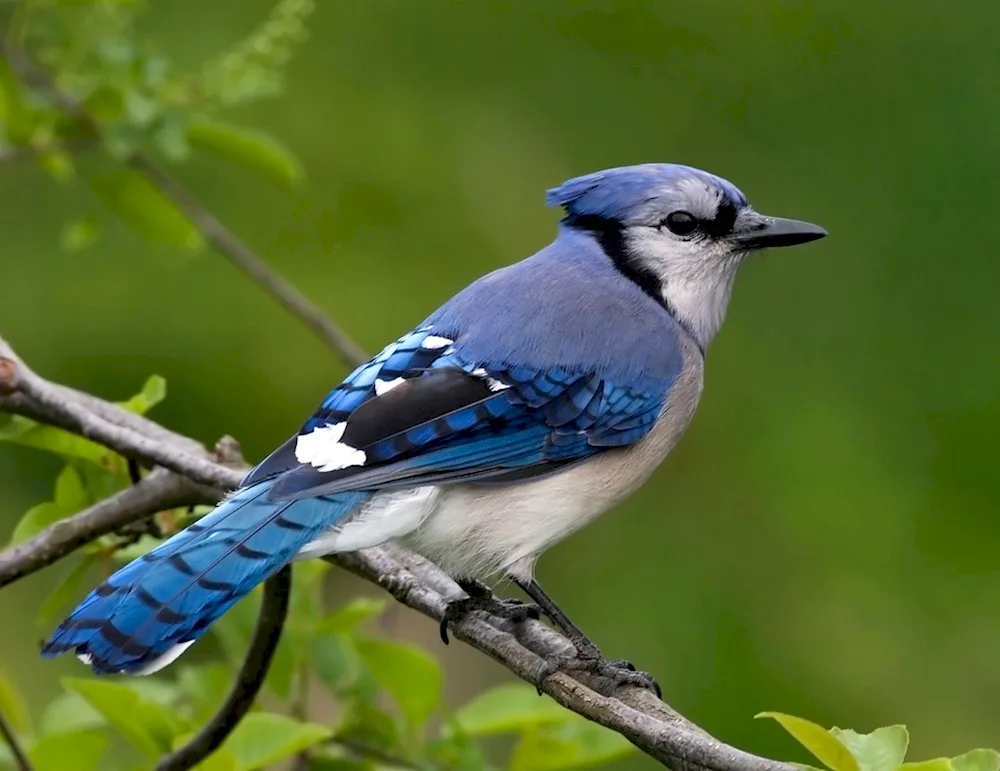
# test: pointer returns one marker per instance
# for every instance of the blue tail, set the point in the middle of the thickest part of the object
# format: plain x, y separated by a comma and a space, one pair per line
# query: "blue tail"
147, 613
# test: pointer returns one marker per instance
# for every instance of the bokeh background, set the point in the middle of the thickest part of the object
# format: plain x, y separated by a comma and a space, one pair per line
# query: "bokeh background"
825, 539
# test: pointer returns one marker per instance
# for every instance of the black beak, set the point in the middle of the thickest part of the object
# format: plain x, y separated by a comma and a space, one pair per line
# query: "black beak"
766, 232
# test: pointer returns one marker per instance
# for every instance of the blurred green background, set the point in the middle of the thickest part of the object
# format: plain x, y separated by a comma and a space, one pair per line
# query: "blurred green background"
824, 541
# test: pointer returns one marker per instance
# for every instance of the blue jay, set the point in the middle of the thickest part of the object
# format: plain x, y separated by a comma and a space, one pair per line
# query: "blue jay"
532, 401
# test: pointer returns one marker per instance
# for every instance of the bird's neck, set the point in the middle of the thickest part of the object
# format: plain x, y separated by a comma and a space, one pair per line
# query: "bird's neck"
699, 302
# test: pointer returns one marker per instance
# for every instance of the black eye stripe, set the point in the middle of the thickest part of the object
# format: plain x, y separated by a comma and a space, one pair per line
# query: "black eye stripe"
683, 223
725, 218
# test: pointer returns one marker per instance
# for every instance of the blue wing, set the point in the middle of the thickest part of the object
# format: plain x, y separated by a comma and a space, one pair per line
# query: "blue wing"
447, 419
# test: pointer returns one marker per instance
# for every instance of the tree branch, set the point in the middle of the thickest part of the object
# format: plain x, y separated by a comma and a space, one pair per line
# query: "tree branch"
227, 243
45, 400
273, 609
650, 724
21, 761
159, 491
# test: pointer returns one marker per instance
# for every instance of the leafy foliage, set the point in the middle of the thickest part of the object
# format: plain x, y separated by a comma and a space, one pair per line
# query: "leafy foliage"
884, 749
141, 101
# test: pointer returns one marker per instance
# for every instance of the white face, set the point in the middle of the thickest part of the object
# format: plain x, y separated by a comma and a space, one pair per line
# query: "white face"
688, 251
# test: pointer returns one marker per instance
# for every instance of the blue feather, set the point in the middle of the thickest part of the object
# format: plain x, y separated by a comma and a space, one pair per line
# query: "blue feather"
174, 593
620, 193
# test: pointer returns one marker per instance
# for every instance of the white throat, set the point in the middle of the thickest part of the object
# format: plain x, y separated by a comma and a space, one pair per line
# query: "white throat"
697, 278
700, 304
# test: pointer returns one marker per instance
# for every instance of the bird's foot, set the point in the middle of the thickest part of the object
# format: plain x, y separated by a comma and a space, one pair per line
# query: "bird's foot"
481, 598
588, 658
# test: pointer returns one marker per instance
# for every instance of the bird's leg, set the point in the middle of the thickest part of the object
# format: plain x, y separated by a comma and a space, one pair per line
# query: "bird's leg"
481, 598
588, 657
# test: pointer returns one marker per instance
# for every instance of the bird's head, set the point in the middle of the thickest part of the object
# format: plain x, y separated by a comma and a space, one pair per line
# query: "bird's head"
680, 233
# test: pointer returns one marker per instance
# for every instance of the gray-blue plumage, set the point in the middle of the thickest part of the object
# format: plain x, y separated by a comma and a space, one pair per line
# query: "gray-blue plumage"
526, 405
617, 331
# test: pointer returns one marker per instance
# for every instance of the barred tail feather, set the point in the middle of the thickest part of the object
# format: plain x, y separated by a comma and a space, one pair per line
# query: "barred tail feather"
146, 614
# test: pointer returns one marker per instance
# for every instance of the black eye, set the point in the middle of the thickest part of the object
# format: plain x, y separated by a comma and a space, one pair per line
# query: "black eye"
680, 223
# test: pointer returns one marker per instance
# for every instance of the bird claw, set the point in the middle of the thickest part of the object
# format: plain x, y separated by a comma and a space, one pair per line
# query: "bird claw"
589, 659
512, 610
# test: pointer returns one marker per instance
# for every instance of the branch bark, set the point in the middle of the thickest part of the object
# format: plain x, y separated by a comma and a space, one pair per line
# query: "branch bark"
159, 491
227, 243
649, 723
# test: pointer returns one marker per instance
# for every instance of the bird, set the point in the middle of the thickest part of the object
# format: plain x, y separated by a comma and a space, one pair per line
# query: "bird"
535, 399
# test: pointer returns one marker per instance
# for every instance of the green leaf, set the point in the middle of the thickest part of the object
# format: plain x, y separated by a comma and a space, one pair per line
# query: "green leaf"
305, 606
367, 724
345, 619
156, 691
505, 709
70, 712
105, 103
70, 494
148, 726
410, 674
220, 760
342, 764
142, 207
139, 108
67, 588
977, 760
881, 750
170, 136
206, 685
936, 764
338, 663
18, 118
12, 705
456, 753
23, 431
79, 750
80, 233
263, 738
576, 744
35, 520
70, 497
57, 164
249, 148
817, 740
154, 391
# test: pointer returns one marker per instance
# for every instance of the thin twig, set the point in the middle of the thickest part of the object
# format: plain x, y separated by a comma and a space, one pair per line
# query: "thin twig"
636, 713
224, 240
20, 758
240, 255
249, 680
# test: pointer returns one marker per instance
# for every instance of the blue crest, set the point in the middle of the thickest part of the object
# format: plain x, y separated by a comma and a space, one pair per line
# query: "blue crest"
616, 193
